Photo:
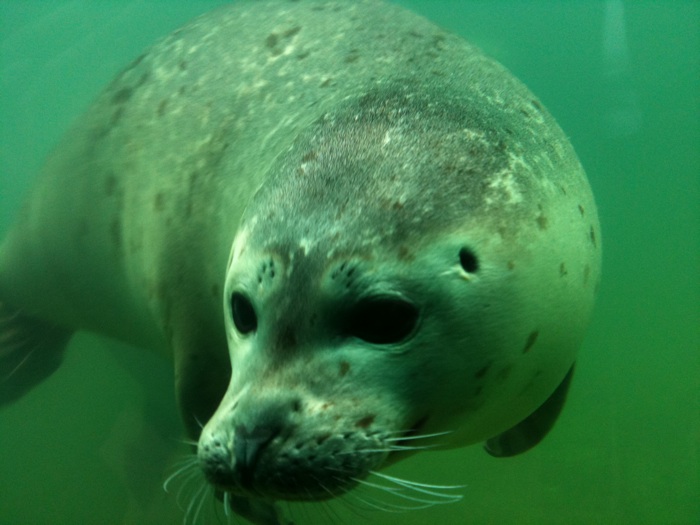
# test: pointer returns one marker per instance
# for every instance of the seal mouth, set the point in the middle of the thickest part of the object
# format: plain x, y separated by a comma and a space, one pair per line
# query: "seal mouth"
310, 468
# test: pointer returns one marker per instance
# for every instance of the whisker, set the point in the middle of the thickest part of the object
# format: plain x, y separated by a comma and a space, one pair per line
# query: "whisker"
204, 493
188, 464
423, 487
20, 364
186, 483
391, 507
227, 503
419, 436
191, 506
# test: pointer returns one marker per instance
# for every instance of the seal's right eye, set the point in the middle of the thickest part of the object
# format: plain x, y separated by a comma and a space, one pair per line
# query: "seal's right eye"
382, 321
243, 314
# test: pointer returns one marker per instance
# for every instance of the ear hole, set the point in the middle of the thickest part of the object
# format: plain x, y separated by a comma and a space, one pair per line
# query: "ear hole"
468, 260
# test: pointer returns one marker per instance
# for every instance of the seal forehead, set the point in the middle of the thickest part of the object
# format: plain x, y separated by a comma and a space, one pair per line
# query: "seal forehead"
393, 165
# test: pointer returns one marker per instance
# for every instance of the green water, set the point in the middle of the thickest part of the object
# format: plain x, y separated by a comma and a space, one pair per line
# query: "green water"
623, 80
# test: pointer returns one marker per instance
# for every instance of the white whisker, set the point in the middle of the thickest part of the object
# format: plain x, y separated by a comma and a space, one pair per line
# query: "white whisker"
420, 487
419, 436
227, 504
188, 513
392, 507
20, 364
188, 464
204, 493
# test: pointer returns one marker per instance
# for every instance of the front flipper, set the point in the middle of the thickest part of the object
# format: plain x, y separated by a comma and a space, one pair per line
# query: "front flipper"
531, 430
30, 351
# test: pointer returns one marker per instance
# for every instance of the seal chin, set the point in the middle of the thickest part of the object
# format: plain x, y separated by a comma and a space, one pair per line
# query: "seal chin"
264, 463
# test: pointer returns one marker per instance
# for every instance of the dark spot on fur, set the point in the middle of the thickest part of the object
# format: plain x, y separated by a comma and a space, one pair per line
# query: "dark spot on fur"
123, 95
592, 235
110, 185
162, 107
274, 40
530, 341
344, 368
322, 438
135, 243
303, 55
291, 32
482, 371
182, 65
562, 270
511, 265
504, 372
536, 105
287, 338
366, 421
586, 274
309, 156
542, 222
580, 209
405, 253
159, 201
327, 82
136, 62
352, 56
439, 41
143, 79
116, 116
115, 231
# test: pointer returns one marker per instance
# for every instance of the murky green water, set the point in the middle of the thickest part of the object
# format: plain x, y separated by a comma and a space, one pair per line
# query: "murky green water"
622, 78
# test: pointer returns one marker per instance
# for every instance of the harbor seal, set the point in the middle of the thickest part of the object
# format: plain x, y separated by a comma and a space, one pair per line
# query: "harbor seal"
355, 235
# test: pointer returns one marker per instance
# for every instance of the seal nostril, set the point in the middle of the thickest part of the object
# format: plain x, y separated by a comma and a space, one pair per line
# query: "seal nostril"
248, 446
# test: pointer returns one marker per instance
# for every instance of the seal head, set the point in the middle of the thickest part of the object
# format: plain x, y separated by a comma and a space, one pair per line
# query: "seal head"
381, 287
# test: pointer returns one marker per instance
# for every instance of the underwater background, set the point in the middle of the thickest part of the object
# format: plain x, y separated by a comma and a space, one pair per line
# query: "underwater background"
623, 80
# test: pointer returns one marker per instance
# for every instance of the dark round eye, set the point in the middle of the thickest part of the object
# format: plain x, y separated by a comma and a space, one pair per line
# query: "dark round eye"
468, 260
382, 321
243, 314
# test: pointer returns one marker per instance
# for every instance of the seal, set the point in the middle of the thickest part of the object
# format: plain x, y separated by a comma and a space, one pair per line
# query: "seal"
356, 236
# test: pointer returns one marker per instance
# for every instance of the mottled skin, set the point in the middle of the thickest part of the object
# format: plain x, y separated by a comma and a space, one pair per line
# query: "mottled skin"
371, 151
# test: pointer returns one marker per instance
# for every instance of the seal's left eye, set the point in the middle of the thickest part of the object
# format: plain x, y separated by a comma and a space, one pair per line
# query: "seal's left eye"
244, 317
382, 321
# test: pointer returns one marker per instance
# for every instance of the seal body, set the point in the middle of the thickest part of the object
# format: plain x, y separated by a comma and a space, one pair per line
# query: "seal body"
346, 226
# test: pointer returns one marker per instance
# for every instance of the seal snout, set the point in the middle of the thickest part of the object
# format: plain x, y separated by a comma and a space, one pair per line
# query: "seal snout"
248, 445
232, 445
